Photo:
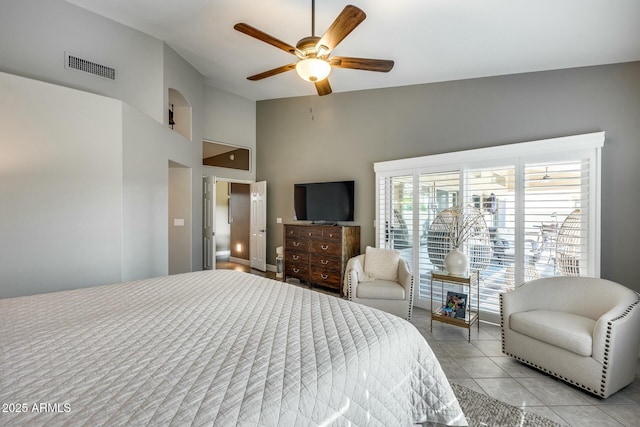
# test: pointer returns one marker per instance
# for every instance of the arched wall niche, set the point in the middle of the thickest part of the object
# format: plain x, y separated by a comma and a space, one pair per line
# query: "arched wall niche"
179, 113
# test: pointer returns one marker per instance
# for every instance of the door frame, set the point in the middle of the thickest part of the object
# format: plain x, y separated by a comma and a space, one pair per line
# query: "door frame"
258, 226
209, 222
217, 179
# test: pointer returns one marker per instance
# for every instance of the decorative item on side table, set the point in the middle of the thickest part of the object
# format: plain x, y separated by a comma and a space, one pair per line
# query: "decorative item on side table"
456, 305
451, 304
456, 226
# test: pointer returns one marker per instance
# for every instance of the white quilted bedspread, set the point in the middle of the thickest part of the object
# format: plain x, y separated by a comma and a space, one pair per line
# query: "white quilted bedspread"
219, 348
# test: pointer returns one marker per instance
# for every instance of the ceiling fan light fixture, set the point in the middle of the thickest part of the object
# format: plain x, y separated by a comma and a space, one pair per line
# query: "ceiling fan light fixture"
313, 69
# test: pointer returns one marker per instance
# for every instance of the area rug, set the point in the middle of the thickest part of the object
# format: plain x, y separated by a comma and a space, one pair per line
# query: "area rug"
483, 410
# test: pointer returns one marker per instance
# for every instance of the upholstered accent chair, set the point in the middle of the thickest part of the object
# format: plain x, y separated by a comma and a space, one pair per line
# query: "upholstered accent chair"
585, 331
380, 279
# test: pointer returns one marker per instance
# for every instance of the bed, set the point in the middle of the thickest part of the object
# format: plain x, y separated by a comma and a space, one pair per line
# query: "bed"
219, 348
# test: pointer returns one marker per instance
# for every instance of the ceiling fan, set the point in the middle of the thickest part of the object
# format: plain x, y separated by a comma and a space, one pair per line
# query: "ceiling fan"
314, 63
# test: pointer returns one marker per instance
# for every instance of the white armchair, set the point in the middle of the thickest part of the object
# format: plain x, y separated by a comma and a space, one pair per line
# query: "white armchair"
582, 330
393, 295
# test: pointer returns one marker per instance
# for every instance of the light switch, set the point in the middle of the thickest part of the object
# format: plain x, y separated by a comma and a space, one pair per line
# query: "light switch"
278, 220
178, 222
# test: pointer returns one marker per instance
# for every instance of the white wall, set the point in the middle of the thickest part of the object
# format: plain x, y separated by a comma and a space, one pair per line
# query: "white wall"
145, 195
85, 191
35, 34
181, 76
60, 186
179, 210
230, 119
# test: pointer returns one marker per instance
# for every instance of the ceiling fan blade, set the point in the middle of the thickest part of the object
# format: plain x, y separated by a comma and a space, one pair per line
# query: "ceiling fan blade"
262, 36
273, 72
381, 65
323, 87
347, 21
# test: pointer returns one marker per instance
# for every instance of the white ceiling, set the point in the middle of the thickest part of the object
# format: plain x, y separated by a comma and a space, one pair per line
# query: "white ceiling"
429, 40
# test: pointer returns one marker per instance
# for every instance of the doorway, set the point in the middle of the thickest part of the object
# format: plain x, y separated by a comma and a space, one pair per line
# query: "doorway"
226, 223
239, 214
237, 211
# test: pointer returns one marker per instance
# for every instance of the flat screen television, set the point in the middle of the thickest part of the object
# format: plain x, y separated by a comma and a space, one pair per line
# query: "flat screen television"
324, 201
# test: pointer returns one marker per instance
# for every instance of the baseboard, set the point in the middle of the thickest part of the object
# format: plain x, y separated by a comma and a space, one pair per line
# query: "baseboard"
240, 260
271, 268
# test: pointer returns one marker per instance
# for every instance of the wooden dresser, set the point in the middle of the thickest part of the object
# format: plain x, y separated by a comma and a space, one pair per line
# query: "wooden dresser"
318, 254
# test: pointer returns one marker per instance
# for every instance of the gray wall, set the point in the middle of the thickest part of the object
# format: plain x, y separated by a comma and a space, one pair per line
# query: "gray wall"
347, 132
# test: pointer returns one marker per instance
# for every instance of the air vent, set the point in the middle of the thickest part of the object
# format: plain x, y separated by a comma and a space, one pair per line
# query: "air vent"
81, 64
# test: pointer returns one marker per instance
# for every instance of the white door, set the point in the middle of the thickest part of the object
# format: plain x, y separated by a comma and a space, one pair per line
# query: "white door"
208, 223
258, 227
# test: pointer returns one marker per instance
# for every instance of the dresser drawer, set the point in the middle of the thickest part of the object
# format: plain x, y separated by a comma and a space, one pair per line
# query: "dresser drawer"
292, 232
333, 234
296, 244
326, 262
327, 247
324, 277
311, 233
295, 257
297, 270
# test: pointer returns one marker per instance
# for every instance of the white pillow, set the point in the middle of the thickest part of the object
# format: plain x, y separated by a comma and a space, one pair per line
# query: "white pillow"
381, 263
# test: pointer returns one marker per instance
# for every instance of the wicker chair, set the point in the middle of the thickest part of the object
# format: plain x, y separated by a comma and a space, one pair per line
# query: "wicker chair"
568, 245
439, 244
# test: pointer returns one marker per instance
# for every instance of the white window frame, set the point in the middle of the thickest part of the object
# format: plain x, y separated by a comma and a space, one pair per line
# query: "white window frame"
585, 145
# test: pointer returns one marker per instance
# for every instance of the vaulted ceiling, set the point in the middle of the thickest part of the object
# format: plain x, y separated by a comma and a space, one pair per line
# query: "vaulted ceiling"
429, 40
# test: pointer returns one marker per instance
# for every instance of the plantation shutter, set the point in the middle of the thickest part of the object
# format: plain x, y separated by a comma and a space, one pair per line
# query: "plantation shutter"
437, 191
540, 201
492, 190
395, 212
556, 219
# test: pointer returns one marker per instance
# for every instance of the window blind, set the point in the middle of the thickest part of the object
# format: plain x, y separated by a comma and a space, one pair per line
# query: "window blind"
540, 202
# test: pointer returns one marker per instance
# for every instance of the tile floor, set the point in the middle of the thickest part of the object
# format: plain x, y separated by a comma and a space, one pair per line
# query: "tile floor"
481, 366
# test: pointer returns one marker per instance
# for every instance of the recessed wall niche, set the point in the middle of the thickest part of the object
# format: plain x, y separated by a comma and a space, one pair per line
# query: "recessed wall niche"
179, 111
225, 156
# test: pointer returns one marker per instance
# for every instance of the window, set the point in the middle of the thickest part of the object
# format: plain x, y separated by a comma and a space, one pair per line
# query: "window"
540, 202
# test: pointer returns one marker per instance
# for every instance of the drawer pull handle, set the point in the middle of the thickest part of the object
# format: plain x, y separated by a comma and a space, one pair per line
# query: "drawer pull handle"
324, 247
310, 234
331, 235
295, 257
296, 270
324, 261
296, 243
324, 276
